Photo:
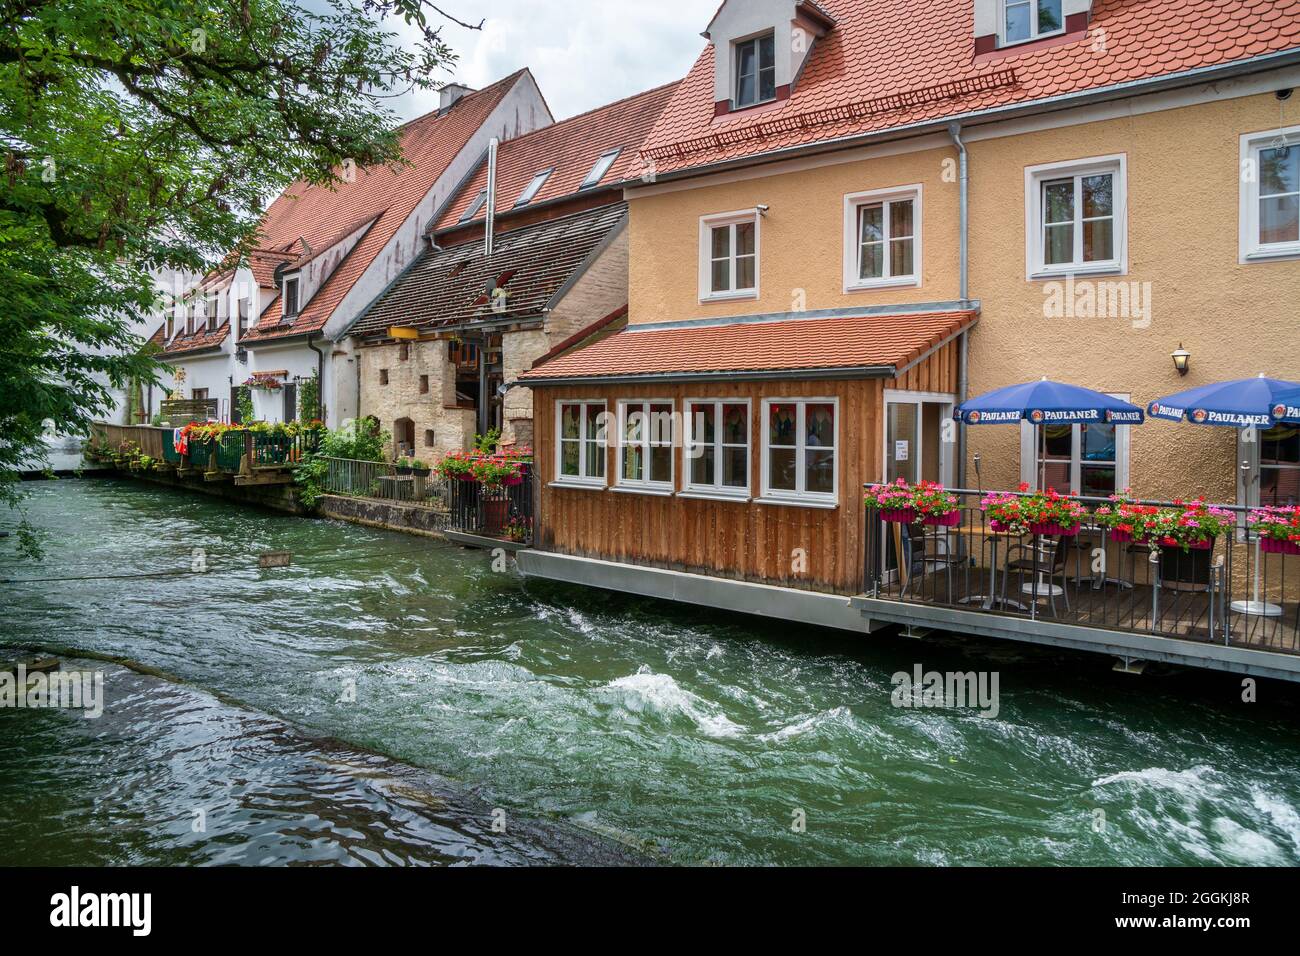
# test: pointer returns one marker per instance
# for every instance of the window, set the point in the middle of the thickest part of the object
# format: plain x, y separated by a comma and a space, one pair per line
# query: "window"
729, 256
1030, 20
1270, 194
717, 448
210, 306
403, 351
582, 444
882, 238
171, 327
601, 168
800, 457
428, 438
645, 447
243, 316
1089, 460
200, 394
1076, 217
383, 376
534, 188
475, 207
190, 317
424, 385
290, 297
755, 71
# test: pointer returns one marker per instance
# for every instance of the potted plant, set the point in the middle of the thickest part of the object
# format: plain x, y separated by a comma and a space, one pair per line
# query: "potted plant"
1123, 519
935, 506
403, 466
518, 530
414, 467
1003, 512
494, 474
1188, 526
1038, 513
457, 467
1278, 529
893, 501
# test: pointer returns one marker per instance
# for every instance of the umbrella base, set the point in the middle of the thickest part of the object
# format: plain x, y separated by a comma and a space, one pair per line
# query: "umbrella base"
1257, 608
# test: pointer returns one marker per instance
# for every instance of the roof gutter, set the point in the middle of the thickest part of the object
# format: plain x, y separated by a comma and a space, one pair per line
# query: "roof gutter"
1208, 74
784, 374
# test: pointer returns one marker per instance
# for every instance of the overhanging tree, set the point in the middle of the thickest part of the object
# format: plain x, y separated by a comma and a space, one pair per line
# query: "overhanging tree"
142, 135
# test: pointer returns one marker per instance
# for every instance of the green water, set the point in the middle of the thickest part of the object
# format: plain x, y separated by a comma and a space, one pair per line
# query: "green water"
591, 721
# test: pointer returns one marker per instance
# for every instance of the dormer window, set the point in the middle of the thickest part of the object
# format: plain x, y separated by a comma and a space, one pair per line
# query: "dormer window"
190, 311
1024, 20
210, 306
534, 188
290, 296
601, 168
243, 316
755, 61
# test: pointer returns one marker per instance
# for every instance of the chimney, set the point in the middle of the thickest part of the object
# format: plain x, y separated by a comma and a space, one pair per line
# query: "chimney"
450, 93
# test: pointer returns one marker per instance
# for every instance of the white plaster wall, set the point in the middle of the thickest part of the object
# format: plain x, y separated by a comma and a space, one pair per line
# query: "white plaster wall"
741, 19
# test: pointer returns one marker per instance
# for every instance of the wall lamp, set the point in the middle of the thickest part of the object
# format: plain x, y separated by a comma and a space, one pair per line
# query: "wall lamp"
1182, 359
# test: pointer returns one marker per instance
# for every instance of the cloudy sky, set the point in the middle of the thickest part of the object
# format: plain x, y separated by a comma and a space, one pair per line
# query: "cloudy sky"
582, 52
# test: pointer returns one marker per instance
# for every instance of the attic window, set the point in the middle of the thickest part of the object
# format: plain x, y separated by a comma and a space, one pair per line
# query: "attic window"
290, 294
1024, 20
210, 309
601, 168
475, 206
756, 70
534, 187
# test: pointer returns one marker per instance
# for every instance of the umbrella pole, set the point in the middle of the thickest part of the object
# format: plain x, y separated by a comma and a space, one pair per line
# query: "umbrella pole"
1255, 607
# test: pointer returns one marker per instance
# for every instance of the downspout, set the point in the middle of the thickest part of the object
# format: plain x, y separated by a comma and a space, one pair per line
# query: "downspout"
320, 376
489, 219
963, 361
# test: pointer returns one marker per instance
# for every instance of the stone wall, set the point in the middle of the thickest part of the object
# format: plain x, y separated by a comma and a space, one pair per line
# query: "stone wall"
391, 515
403, 398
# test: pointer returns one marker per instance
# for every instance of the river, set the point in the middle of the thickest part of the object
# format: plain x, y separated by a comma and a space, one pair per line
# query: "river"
395, 700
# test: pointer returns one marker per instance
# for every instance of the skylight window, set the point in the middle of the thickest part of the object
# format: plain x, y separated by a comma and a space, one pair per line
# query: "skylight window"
534, 187
602, 167
475, 206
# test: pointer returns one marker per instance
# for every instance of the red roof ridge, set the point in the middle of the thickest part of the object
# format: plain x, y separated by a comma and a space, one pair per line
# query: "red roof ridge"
440, 112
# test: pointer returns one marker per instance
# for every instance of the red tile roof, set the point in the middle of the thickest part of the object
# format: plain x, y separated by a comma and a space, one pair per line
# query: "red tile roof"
183, 344
886, 342
572, 147
910, 49
321, 216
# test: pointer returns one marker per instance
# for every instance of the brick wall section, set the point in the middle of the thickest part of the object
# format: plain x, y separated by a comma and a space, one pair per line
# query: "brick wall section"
453, 428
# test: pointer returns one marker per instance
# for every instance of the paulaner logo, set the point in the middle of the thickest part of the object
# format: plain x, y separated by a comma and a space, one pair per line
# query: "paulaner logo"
103, 909
951, 691
60, 690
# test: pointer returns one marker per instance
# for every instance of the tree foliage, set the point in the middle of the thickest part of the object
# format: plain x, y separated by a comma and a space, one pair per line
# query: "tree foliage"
143, 135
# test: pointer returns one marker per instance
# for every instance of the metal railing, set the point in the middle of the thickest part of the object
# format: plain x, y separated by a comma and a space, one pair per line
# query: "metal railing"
376, 479
1235, 593
505, 512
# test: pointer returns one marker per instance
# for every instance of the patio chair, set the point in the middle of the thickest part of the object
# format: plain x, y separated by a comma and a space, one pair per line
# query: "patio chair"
1190, 572
1044, 557
925, 549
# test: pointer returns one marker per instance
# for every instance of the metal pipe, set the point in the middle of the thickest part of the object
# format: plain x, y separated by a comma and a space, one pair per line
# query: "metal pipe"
320, 377
489, 219
963, 362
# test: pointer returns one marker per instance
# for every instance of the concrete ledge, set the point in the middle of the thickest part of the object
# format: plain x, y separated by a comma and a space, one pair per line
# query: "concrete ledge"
764, 600
483, 543
389, 515
1147, 647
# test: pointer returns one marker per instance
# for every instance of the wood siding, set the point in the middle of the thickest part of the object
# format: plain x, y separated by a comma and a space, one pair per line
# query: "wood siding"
733, 539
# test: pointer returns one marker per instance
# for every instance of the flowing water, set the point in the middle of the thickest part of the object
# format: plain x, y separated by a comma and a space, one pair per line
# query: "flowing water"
389, 699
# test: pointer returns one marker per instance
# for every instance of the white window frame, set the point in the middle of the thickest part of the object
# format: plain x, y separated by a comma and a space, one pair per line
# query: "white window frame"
644, 485
1035, 251
1029, 454
1034, 32
297, 296
717, 489
719, 221
582, 479
736, 45
535, 185
799, 497
602, 166
1251, 249
1251, 478
853, 203
474, 208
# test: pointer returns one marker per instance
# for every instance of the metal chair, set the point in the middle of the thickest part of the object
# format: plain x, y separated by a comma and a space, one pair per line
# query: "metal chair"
1045, 558
1189, 572
923, 549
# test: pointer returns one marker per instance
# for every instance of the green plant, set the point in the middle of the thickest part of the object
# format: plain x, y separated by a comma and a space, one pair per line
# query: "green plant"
244, 404
455, 467
485, 445
309, 397
356, 441
493, 473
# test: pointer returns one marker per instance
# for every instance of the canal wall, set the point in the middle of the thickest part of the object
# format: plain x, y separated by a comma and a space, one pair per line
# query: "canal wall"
283, 497
389, 515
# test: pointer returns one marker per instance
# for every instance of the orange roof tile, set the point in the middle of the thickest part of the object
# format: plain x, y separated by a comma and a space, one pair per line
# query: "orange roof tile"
320, 215
884, 343
571, 147
183, 344
897, 48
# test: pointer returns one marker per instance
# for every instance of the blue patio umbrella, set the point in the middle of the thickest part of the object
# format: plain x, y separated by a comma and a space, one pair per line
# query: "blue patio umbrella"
1047, 403
1243, 403
1288, 403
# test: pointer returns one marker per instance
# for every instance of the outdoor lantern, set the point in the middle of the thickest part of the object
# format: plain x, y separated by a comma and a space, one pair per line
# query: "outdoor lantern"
1182, 359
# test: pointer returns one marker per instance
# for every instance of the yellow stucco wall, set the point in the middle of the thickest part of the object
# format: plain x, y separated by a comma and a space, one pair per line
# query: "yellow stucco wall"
1183, 199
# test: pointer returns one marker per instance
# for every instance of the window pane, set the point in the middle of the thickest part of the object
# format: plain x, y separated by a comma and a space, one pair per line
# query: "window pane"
703, 424
1058, 201
767, 85
1057, 441
735, 471
820, 423
661, 463
702, 466
1060, 245
633, 462
721, 276
767, 52
633, 424
900, 257
872, 223
1098, 240
1097, 481
569, 451
661, 424
595, 459
744, 238
1049, 15
820, 466
1098, 442
735, 424
746, 74
721, 242
1279, 487
781, 425
1056, 475
781, 464
900, 219
745, 272
1098, 196
873, 261
1279, 219
1279, 171
569, 421
593, 415
1280, 445
1017, 21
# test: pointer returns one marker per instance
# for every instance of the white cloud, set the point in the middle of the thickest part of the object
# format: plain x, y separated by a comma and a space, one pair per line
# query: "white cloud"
584, 53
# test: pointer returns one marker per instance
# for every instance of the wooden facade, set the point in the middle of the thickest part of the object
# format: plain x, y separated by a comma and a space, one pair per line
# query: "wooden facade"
784, 544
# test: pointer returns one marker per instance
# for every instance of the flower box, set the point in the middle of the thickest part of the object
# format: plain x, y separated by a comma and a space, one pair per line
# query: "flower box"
1121, 537
1053, 530
950, 520
899, 516
1275, 546
999, 527
1206, 544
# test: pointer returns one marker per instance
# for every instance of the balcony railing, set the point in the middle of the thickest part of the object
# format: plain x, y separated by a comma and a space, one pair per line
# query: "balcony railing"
505, 512
1235, 594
